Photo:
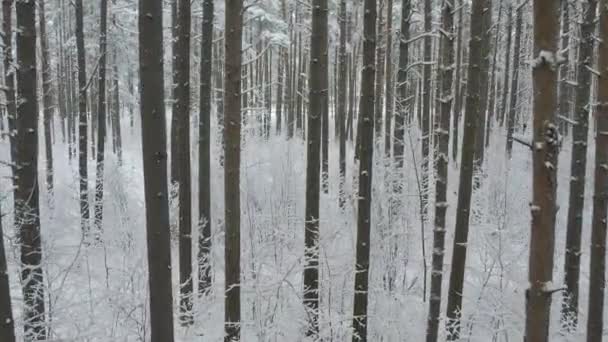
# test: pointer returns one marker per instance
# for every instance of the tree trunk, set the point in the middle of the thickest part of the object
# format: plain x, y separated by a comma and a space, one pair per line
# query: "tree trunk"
473, 110
441, 183
514, 83
204, 153
181, 113
278, 112
426, 104
341, 97
544, 160
101, 118
492, 85
232, 133
578, 166
82, 121
117, 135
27, 212
7, 325
403, 102
154, 147
366, 110
597, 277
174, 125
9, 75
507, 59
47, 100
564, 87
458, 94
317, 110
486, 20
379, 77
388, 112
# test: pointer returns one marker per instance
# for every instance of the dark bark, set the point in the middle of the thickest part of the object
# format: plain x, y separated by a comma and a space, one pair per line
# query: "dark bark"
458, 94
578, 165
232, 133
366, 110
154, 150
388, 111
443, 140
597, 276
402, 101
379, 77
544, 160
27, 212
204, 155
116, 126
82, 120
426, 105
47, 99
473, 110
341, 97
564, 69
174, 125
486, 21
181, 113
101, 117
507, 59
317, 109
514, 83
9, 74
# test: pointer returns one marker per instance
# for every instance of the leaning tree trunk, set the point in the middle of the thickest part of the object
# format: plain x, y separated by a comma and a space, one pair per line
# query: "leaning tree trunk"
544, 161
366, 110
441, 183
317, 109
597, 276
82, 121
578, 166
27, 212
154, 151
182, 120
473, 110
204, 153
7, 325
232, 133
47, 99
101, 118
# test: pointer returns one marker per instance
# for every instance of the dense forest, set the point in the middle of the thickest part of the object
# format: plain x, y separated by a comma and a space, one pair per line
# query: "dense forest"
303, 170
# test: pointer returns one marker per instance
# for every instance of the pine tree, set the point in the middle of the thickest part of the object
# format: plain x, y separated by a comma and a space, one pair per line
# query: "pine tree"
232, 145
82, 120
47, 98
366, 110
27, 210
101, 117
154, 150
544, 160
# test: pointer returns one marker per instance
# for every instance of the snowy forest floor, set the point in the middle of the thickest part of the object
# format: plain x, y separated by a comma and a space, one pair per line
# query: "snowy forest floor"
99, 293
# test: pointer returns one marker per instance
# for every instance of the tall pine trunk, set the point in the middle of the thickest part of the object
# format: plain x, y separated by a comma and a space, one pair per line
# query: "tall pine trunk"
232, 133
317, 110
27, 212
544, 160
341, 97
514, 83
204, 153
402, 114
441, 182
181, 114
47, 99
578, 166
597, 276
389, 86
366, 110
82, 120
9, 74
101, 117
154, 151
473, 110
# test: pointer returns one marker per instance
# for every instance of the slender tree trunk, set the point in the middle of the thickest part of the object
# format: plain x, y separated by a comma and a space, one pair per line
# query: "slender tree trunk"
101, 118
7, 324
443, 137
341, 97
181, 114
426, 103
278, 112
232, 133
27, 212
578, 166
514, 83
9, 74
204, 153
492, 85
379, 77
544, 159
117, 134
402, 101
507, 59
325, 115
82, 120
174, 124
317, 109
458, 94
388, 112
473, 110
47, 99
154, 145
597, 276
564, 87
366, 110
